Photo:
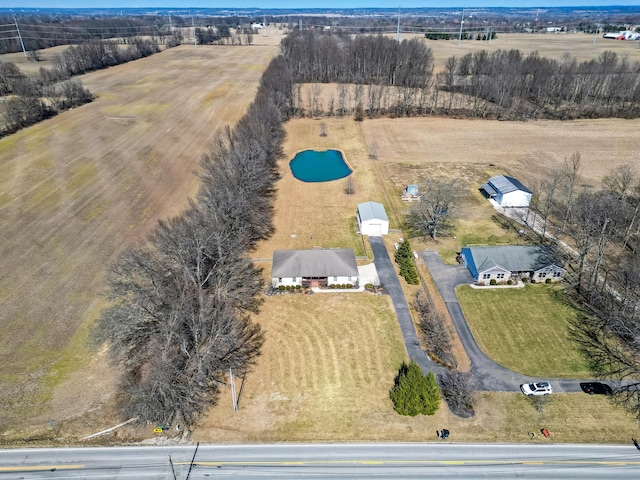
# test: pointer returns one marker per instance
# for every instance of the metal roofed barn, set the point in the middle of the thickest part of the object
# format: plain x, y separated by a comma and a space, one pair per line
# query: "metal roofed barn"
507, 191
372, 219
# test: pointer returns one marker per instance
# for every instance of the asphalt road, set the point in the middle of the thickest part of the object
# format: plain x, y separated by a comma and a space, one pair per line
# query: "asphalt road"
426, 460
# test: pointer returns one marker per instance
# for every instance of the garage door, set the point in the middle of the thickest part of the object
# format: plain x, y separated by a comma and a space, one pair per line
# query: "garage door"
375, 229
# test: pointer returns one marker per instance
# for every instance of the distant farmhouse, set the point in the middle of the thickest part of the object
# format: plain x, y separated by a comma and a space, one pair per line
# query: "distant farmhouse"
372, 219
535, 262
314, 268
507, 191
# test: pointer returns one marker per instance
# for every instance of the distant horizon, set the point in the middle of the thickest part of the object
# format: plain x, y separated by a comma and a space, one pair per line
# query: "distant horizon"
329, 4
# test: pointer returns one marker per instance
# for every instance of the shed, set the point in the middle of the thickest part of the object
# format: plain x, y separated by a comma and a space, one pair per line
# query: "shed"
507, 191
411, 190
372, 219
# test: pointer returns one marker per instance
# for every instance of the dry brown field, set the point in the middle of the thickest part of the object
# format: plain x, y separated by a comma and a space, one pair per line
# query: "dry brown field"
77, 189
579, 45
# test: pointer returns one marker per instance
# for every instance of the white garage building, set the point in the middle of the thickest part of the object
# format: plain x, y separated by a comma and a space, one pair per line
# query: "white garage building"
372, 219
507, 191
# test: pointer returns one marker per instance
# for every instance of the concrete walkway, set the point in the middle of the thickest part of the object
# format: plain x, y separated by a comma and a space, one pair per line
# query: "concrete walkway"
489, 375
391, 285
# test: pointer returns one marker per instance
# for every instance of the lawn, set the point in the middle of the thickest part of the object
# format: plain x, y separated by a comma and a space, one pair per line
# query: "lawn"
327, 366
524, 329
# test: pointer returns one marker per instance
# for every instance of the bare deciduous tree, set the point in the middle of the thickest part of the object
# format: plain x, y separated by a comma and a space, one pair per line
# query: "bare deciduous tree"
432, 326
458, 391
428, 217
349, 187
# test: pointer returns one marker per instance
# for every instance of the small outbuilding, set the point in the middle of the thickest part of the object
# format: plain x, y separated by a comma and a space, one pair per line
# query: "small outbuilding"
500, 263
507, 191
314, 268
372, 219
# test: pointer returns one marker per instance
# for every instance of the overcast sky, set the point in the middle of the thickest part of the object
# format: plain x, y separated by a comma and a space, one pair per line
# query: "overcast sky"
304, 4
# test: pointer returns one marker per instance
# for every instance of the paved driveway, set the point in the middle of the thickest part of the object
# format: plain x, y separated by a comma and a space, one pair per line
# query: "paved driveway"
489, 375
391, 284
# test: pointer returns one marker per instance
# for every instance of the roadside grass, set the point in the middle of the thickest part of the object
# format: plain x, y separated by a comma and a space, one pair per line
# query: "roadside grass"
328, 363
524, 329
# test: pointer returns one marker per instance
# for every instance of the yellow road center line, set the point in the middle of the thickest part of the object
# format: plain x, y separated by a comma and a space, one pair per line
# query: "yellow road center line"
40, 467
413, 462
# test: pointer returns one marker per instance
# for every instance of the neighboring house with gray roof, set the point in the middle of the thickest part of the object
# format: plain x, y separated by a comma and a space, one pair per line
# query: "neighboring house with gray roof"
314, 268
507, 191
500, 263
372, 219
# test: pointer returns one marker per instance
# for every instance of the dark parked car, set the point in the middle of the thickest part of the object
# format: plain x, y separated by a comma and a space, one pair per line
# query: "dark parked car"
596, 388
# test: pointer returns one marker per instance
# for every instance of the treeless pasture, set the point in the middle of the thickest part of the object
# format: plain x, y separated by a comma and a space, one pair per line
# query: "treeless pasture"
578, 45
526, 150
80, 187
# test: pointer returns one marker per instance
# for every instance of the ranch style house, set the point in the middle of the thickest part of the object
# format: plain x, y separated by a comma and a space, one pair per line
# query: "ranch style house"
507, 191
314, 268
501, 263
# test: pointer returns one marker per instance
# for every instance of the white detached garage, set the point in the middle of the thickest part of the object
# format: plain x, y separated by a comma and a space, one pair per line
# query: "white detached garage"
372, 219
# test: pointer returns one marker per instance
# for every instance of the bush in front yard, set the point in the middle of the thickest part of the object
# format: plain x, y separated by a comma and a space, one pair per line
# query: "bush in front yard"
493, 281
414, 393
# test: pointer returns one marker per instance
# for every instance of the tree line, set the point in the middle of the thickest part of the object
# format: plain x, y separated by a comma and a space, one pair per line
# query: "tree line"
602, 228
182, 303
32, 98
384, 77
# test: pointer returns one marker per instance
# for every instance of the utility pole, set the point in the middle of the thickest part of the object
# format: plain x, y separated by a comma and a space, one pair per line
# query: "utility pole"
234, 399
19, 35
193, 25
398, 24
595, 36
461, 22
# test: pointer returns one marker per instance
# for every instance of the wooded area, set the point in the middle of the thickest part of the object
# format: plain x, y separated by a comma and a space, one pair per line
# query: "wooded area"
602, 230
389, 78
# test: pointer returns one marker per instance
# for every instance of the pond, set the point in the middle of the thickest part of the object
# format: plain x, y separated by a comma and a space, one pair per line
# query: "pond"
314, 166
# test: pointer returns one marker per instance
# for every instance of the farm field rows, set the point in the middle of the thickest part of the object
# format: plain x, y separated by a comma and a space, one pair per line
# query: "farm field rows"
80, 187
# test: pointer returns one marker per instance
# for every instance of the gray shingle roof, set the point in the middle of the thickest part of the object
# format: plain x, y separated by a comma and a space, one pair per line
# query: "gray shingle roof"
515, 258
372, 211
505, 184
314, 263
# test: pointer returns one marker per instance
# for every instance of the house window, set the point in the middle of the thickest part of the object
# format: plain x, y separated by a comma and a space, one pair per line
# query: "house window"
542, 274
486, 276
500, 275
335, 279
349, 278
557, 274
294, 279
279, 280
